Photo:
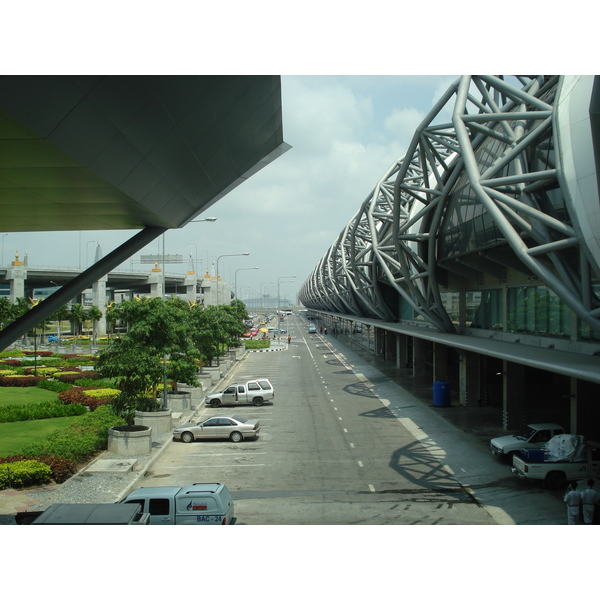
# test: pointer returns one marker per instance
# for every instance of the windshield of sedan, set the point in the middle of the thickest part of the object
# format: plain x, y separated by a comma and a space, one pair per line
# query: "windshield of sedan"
240, 419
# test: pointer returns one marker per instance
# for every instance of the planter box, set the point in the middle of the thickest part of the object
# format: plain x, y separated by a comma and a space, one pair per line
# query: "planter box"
160, 421
179, 401
130, 443
214, 372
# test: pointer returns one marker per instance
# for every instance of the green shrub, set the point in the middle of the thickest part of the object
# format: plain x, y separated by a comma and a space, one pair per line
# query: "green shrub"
24, 474
62, 468
4, 372
79, 440
41, 371
19, 380
54, 386
10, 353
11, 413
256, 344
105, 382
102, 393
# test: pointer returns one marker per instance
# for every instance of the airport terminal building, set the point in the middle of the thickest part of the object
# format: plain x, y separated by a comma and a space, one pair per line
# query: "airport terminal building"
476, 258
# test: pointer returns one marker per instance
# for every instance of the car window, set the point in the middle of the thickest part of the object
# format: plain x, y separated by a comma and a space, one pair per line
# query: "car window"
211, 422
265, 385
240, 419
159, 506
225, 422
230, 390
253, 386
241, 389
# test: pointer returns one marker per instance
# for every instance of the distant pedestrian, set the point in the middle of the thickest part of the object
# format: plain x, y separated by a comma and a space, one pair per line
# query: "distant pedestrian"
321, 330
325, 330
589, 499
572, 500
289, 338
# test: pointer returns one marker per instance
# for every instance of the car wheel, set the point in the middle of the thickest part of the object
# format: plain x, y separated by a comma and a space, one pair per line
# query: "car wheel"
555, 480
215, 403
236, 436
187, 437
257, 401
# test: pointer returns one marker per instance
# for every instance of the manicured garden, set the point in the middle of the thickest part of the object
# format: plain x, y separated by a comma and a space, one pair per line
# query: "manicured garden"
58, 408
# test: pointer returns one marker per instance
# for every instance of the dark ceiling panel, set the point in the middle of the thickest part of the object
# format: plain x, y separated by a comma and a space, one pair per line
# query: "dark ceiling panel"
158, 149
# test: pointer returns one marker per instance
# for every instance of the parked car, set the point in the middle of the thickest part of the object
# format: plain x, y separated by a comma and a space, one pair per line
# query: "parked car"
195, 504
234, 428
256, 392
532, 436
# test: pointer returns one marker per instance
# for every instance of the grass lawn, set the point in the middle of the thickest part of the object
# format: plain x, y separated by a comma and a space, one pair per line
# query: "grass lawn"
13, 436
26, 395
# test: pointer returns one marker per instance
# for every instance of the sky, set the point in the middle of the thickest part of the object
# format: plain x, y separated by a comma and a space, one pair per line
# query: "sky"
344, 132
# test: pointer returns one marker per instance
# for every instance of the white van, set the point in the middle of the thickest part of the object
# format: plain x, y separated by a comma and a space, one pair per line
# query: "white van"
195, 504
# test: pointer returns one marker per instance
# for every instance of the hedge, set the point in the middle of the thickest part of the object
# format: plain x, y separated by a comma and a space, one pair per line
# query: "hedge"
62, 468
54, 386
81, 439
102, 393
11, 413
24, 474
20, 380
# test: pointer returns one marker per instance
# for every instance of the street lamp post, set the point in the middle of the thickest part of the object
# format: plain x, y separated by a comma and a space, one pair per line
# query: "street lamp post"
209, 219
235, 278
217, 273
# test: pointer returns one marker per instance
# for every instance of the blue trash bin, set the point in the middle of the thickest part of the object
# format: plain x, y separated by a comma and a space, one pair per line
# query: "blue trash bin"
441, 393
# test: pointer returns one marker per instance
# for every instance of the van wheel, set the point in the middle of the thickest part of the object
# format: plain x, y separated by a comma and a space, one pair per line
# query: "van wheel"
215, 403
187, 437
555, 480
258, 401
236, 436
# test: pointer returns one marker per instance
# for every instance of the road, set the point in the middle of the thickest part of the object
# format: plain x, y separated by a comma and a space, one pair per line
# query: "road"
329, 451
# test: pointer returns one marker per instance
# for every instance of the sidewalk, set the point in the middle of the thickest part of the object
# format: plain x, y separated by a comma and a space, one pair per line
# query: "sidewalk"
457, 436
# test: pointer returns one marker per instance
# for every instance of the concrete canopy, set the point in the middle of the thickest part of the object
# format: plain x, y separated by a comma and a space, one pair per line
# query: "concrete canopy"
128, 152
148, 153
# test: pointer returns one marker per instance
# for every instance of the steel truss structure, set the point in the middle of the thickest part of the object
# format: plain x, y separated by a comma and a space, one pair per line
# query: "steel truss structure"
500, 156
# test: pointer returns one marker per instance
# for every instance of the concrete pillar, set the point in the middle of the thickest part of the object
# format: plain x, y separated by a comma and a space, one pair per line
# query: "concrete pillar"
469, 379
155, 279
420, 356
390, 346
99, 300
513, 401
16, 275
191, 285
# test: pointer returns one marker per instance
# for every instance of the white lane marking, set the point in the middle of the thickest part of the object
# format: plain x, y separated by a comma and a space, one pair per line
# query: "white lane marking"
351, 445
345, 430
360, 464
371, 488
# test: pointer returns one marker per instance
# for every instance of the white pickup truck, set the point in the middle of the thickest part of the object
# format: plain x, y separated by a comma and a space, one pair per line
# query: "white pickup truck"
532, 436
254, 392
556, 468
195, 504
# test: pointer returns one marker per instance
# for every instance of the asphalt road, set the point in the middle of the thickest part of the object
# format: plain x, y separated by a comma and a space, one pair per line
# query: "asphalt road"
329, 451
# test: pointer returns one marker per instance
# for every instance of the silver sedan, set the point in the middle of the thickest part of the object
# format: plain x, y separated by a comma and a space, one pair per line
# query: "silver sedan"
233, 428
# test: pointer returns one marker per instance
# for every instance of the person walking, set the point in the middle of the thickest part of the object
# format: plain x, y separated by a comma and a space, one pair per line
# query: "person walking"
589, 499
289, 339
572, 500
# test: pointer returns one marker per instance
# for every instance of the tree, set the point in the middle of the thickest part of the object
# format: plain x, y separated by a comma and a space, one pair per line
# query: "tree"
94, 314
136, 370
78, 316
60, 315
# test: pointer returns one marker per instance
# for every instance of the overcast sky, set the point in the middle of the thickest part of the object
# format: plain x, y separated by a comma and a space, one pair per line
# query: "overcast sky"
345, 132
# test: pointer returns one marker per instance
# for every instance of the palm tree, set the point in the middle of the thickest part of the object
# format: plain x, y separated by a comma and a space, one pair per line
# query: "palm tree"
60, 315
78, 315
94, 314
